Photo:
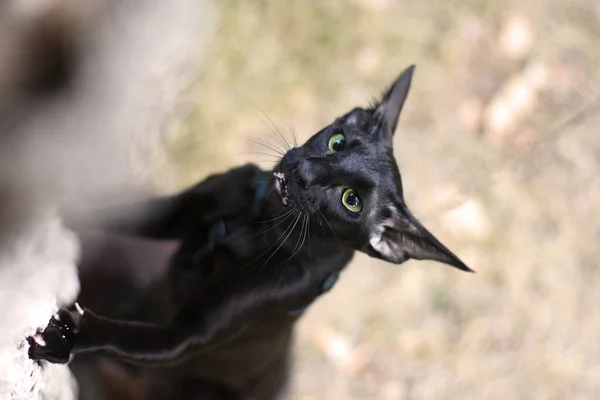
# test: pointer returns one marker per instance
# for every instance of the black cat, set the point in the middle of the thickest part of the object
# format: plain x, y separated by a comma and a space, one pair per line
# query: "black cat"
256, 250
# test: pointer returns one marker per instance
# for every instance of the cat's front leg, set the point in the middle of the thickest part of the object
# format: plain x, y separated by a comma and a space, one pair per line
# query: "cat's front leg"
73, 332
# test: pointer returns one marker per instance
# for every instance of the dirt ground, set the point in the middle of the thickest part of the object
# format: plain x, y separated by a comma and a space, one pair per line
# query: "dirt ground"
499, 150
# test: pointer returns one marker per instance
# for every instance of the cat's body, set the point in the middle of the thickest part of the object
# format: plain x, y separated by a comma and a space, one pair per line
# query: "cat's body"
293, 277
251, 355
248, 267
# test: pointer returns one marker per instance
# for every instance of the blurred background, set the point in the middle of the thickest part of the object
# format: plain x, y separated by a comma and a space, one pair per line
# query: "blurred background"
499, 149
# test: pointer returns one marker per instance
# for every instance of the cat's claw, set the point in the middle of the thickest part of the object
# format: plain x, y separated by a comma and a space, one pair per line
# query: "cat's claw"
56, 341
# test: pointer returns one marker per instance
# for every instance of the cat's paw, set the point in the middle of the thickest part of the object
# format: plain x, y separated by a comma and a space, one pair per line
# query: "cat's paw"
56, 341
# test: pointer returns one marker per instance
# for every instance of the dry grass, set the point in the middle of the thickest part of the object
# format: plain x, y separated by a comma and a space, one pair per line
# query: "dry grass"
487, 166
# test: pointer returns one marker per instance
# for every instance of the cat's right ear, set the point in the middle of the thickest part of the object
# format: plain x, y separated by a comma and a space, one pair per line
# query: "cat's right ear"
390, 106
402, 237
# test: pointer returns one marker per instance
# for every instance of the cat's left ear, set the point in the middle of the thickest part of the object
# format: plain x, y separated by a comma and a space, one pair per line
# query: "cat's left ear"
402, 237
391, 104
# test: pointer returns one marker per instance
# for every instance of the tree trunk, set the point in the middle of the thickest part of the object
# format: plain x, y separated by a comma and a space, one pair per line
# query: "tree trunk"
81, 92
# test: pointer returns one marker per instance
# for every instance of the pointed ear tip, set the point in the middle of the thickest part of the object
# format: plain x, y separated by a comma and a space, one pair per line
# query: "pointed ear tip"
406, 75
467, 269
463, 267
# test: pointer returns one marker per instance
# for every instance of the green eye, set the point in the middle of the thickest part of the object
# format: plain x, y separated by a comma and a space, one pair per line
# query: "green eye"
351, 201
337, 142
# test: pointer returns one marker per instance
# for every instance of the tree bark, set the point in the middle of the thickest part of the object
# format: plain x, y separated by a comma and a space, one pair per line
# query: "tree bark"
83, 93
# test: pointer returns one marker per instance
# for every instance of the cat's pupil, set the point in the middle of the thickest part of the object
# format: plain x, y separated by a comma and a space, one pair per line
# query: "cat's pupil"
338, 144
353, 200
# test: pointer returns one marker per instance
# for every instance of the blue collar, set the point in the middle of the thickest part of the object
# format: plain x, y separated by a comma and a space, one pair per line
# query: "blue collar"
224, 226
261, 191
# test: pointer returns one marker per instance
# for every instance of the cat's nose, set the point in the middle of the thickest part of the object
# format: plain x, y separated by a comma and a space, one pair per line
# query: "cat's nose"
290, 159
310, 171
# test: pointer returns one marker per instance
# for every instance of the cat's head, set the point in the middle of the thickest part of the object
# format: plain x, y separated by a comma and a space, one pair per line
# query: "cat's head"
345, 177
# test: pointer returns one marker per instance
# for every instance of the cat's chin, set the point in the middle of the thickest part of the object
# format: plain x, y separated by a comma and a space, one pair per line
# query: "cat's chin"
281, 184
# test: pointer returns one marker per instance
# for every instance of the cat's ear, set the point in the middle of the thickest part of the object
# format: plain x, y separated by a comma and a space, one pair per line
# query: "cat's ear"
390, 106
402, 237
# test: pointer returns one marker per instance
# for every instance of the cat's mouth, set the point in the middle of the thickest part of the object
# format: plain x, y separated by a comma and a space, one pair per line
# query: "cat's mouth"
281, 184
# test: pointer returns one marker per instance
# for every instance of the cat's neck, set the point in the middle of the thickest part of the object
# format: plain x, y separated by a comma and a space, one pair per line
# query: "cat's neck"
271, 235
298, 237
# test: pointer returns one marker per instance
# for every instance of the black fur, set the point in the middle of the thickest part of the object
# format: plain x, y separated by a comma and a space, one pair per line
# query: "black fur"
232, 309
